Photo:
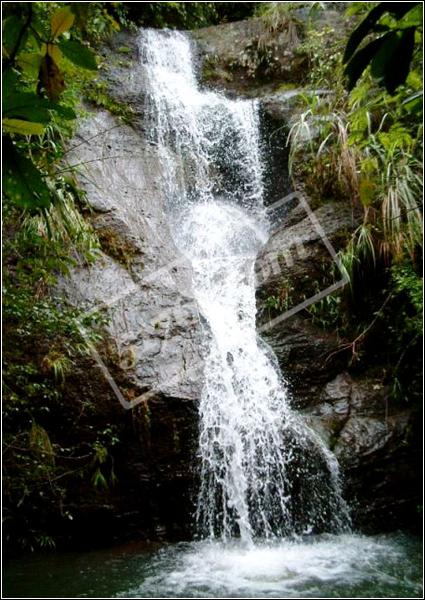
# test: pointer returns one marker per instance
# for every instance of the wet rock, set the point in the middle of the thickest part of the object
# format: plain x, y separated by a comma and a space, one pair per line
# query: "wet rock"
298, 260
285, 105
376, 440
151, 348
244, 57
307, 357
143, 285
252, 58
380, 457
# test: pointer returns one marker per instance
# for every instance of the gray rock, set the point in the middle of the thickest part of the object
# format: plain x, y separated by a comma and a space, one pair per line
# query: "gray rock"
252, 58
374, 438
152, 316
296, 263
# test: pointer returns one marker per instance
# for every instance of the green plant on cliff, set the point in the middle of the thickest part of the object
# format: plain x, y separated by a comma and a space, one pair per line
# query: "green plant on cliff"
364, 147
97, 93
38, 48
49, 57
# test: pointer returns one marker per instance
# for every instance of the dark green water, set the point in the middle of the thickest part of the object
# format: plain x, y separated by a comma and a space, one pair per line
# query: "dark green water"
325, 566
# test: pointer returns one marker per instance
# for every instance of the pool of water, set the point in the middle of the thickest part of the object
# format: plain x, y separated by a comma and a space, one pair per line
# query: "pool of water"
317, 566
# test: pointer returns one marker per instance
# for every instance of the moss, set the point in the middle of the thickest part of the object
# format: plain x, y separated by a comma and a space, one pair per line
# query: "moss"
287, 86
117, 247
212, 70
98, 94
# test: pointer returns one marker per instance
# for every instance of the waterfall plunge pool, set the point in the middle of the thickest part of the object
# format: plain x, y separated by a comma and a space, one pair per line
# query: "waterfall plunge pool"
325, 566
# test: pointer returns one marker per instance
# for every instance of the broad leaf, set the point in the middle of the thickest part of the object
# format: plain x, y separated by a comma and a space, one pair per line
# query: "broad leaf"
78, 54
30, 63
384, 55
22, 127
10, 80
26, 105
398, 71
53, 51
399, 9
62, 20
22, 181
31, 107
12, 27
363, 29
360, 61
369, 23
414, 18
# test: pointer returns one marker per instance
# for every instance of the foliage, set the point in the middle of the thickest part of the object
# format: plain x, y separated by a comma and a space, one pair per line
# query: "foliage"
187, 15
365, 148
97, 93
389, 53
47, 48
279, 16
43, 341
49, 58
180, 15
316, 45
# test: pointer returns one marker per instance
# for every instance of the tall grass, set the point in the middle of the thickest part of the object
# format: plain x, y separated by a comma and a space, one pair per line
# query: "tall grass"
379, 171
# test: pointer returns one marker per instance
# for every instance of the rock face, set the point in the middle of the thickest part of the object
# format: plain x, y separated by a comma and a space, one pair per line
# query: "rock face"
258, 57
153, 347
299, 251
375, 439
150, 358
141, 279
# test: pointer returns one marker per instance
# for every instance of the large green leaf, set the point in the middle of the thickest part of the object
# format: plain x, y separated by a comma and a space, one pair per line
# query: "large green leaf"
399, 9
78, 54
23, 183
26, 105
384, 55
360, 61
31, 107
22, 127
414, 18
369, 23
10, 81
398, 69
12, 27
363, 29
30, 63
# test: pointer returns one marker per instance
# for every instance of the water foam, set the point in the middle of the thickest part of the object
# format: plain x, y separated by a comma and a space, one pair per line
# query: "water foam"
263, 472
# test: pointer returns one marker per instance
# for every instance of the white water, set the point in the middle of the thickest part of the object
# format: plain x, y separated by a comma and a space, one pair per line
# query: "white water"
263, 472
327, 566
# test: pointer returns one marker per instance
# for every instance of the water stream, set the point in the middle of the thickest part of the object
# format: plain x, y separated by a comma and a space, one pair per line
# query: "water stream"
264, 473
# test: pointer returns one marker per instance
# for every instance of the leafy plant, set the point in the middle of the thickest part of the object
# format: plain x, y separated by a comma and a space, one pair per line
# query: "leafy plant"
41, 46
365, 148
390, 52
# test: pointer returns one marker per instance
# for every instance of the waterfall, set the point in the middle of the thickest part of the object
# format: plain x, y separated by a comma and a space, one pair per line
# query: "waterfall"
263, 472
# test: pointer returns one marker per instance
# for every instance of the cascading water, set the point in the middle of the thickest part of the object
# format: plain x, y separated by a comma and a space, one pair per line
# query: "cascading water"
263, 472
